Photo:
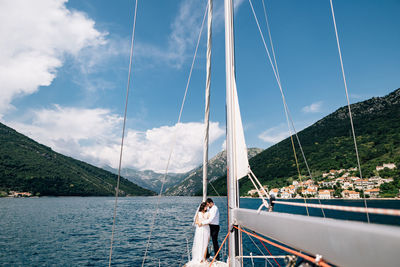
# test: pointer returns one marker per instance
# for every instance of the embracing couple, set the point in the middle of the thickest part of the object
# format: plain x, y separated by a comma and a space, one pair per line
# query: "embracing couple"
207, 223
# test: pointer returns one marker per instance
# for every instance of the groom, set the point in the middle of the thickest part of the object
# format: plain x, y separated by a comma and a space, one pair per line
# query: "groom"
213, 221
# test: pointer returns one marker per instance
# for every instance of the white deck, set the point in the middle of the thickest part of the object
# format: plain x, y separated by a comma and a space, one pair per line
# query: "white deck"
207, 264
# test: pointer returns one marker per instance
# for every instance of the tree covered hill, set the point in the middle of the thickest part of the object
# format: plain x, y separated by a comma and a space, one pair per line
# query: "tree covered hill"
328, 144
26, 165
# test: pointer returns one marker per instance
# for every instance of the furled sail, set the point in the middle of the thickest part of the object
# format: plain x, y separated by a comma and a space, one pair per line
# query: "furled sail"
239, 144
238, 163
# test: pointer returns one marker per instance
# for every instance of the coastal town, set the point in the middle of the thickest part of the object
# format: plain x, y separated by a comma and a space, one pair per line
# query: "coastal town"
334, 184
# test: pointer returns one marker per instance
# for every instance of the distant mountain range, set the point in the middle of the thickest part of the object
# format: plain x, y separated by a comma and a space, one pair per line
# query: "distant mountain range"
192, 180
328, 144
179, 184
149, 179
26, 165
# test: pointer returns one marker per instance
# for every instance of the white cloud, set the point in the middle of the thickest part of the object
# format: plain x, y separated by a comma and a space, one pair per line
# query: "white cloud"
70, 130
94, 135
150, 149
313, 108
275, 134
97, 58
34, 38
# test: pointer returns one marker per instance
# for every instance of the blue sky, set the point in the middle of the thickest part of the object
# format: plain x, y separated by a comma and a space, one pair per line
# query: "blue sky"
63, 72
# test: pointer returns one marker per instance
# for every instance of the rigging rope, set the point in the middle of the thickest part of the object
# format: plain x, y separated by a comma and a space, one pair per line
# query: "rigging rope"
214, 188
286, 108
261, 192
279, 83
348, 104
270, 39
174, 139
123, 133
316, 260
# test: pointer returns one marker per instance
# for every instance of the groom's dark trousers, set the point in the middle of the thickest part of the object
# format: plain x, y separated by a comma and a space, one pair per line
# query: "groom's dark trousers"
214, 230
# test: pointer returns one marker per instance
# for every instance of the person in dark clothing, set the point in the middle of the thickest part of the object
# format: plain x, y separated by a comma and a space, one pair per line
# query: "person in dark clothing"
213, 221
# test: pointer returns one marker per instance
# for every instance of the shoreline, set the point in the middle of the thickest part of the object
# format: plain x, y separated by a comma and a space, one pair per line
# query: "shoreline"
307, 198
246, 197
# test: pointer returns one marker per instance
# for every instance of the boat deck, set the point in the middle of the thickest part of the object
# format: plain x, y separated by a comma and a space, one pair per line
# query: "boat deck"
206, 264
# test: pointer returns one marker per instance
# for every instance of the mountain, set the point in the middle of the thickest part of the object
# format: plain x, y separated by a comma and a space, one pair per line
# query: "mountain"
26, 165
149, 179
328, 144
192, 181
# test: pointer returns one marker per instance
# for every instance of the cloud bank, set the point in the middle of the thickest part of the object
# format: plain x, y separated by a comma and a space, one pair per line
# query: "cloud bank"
93, 135
35, 36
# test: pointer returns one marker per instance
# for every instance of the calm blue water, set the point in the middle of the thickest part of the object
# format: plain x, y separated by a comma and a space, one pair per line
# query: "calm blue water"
76, 231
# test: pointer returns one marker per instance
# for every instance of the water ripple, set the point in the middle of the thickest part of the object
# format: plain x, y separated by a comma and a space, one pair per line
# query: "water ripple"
76, 231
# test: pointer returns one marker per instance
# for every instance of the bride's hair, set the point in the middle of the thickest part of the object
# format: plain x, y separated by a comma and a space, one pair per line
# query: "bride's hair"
202, 206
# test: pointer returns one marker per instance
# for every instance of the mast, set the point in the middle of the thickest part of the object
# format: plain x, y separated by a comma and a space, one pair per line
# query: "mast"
233, 244
207, 105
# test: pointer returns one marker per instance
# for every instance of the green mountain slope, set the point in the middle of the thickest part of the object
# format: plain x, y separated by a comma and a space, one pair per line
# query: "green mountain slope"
26, 165
328, 144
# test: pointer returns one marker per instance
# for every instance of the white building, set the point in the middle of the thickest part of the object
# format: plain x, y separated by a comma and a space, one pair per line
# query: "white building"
350, 194
354, 194
286, 194
328, 183
390, 166
324, 194
363, 184
274, 191
347, 185
372, 192
309, 191
252, 192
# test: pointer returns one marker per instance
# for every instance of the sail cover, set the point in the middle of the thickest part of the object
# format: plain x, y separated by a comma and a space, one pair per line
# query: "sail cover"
239, 144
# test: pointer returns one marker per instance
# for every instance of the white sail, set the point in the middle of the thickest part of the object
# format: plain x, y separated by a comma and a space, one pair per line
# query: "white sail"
242, 161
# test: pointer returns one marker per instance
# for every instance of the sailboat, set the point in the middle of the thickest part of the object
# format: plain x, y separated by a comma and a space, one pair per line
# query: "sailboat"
322, 241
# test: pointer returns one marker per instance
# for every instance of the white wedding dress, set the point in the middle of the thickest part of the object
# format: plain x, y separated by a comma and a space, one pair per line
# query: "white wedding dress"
201, 239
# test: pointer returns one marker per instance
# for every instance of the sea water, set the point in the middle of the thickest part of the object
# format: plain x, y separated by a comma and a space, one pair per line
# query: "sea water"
76, 231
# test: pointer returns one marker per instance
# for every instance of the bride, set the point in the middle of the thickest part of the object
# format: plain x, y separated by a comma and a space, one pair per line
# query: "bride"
201, 236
